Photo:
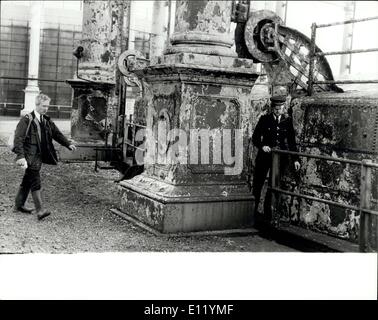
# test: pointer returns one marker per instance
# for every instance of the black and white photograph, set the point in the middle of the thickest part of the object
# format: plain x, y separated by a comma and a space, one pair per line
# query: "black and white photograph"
189, 149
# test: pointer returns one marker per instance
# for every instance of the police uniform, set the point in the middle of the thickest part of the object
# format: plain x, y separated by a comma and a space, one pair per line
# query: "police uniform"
275, 133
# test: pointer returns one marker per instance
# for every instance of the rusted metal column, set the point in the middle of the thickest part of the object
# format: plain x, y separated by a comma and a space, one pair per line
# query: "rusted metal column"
159, 29
202, 26
32, 89
275, 183
312, 60
95, 100
365, 203
99, 40
196, 92
131, 38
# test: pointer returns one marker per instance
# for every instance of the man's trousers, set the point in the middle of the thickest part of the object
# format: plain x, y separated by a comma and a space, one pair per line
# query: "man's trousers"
32, 178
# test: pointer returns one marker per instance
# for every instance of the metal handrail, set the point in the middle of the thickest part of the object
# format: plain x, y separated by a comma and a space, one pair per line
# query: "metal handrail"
346, 22
135, 147
29, 78
314, 54
59, 106
11, 103
334, 203
344, 81
342, 160
365, 189
135, 124
22, 105
331, 53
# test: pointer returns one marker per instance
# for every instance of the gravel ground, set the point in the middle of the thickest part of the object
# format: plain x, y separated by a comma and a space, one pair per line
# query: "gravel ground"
81, 221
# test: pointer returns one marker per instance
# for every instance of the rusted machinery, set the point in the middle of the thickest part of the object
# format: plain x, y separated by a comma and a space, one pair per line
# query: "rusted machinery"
328, 121
259, 36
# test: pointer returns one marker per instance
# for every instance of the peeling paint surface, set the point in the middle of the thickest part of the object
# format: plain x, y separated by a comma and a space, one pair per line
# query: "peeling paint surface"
192, 102
102, 27
89, 119
170, 208
203, 16
187, 96
202, 27
341, 127
95, 103
335, 125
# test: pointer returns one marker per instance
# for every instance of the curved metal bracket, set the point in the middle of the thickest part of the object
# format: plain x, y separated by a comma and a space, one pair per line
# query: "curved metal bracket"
129, 61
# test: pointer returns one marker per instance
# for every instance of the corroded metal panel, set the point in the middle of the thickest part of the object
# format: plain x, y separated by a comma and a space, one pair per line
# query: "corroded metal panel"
94, 116
217, 113
197, 85
169, 208
375, 134
89, 115
202, 27
347, 124
193, 92
336, 125
187, 102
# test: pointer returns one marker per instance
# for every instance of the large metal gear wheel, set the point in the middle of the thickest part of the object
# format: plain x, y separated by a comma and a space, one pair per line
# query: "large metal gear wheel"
259, 35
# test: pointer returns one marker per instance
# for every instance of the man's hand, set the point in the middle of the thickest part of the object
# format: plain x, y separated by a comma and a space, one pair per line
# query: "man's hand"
266, 149
22, 163
72, 147
297, 165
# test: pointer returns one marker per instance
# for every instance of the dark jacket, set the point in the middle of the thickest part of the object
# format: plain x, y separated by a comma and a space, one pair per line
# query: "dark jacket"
27, 147
268, 133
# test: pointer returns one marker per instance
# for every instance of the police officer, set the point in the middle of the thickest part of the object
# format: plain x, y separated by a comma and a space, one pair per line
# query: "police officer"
273, 130
33, 146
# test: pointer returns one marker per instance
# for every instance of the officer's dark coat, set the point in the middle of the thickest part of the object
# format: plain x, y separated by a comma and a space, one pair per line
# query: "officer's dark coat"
274, 135
29, 146
268, 133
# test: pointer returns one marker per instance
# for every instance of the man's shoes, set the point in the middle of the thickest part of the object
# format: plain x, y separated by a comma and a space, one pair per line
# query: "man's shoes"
21, 196
43, 214
23, 209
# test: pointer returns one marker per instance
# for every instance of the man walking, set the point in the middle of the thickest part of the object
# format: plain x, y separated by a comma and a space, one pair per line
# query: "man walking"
273, 130
33, 146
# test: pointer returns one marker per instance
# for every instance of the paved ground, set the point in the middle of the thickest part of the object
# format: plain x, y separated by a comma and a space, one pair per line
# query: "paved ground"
80, 199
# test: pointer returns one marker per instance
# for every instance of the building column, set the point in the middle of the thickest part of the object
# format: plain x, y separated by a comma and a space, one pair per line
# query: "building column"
99, 40
131, 42
32, 89
202, 26
159, 29
198, 85
95, 100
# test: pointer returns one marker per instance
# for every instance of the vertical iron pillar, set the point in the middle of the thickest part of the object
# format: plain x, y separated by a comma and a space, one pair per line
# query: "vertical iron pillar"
365, 203
202, 27
159, 29
197, 85
310, 88
95, 100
